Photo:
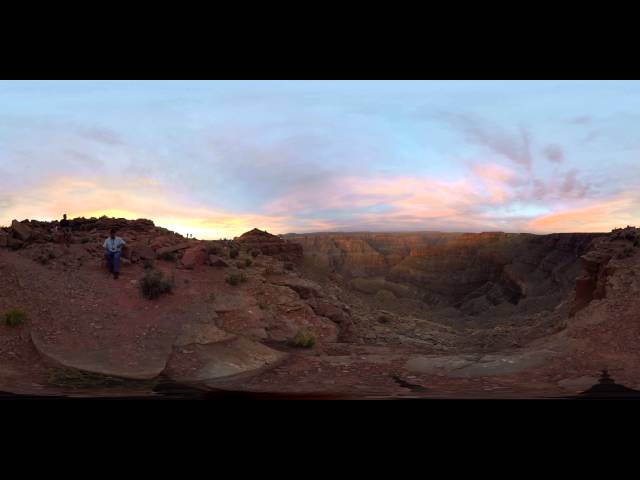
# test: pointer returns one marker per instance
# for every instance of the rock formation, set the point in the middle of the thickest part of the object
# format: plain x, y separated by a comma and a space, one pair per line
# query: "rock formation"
494, 311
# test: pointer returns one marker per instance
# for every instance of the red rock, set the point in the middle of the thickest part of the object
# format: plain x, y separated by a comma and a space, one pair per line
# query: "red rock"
304, 288
127, 252
271, 245
173, 248
193, 256
216, 261
14, 243
145, 252
21, 231
329, 310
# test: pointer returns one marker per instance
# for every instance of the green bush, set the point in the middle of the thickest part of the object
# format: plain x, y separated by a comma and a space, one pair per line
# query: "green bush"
14, 317
302, 339
236, 279
154, 284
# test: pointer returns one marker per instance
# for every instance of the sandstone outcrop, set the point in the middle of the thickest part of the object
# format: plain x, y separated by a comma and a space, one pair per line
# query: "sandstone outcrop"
271, 245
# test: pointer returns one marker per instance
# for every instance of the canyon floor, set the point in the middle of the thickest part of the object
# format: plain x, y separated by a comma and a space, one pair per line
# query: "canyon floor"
420, 315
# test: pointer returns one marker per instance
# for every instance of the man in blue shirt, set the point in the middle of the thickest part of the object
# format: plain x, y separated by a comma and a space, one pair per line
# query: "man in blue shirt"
113, 250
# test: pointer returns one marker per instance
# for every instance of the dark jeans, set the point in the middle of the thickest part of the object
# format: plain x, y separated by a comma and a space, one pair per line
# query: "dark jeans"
113, 261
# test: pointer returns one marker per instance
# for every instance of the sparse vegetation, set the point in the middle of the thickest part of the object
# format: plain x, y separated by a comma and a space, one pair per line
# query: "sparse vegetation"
147, 264
302, 339
168, 257
236, 279
154, 284
14, 317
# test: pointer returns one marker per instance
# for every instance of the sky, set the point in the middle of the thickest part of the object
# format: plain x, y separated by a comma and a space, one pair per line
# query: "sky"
218, 158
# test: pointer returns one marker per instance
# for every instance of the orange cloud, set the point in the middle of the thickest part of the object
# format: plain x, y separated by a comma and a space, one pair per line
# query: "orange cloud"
603, 217
139, 198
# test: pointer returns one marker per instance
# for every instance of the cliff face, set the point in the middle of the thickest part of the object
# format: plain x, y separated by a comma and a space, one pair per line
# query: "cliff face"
474, 273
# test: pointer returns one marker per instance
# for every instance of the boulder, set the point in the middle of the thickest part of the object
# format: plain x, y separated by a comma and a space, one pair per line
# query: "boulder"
144, 252
20, 230
172, 248
193, 256
329, 310
216, 261
14, 243
305, 288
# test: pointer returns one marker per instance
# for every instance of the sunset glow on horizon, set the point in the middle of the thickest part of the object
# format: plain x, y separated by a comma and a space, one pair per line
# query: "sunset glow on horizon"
217, 158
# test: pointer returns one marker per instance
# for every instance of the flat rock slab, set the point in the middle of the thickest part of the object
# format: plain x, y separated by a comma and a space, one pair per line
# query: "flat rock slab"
229, 302
116, 360
239, 356
467, 366
201, 334
305, 288
578, 384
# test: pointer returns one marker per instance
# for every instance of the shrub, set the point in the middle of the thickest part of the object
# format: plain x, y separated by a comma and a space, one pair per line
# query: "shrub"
234, 252
236, 279
147, 264
154, 284
302, 339
248, 262
14, 317
168, 257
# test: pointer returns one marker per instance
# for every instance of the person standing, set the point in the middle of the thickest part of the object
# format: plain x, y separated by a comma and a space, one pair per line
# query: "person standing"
113, 251
65, 227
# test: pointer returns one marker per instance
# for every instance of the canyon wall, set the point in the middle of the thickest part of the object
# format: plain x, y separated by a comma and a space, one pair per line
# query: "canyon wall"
485, 273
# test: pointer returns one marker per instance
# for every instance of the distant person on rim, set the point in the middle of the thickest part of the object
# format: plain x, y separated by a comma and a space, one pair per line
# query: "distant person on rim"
113, 250
65, 227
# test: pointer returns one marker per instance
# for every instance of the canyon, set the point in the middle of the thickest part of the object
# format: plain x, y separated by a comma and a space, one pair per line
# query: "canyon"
424, 313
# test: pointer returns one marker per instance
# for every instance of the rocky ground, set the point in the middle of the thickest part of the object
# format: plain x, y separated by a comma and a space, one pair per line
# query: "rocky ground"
239, 309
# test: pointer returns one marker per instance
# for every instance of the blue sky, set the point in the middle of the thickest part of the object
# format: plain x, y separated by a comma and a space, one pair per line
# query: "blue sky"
215, 158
